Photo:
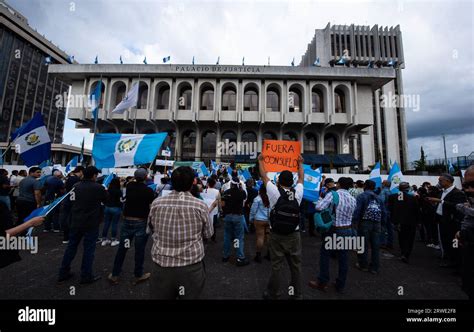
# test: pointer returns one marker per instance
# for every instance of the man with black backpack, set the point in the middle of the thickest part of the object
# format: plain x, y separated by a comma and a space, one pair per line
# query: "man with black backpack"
369, 216
285, 240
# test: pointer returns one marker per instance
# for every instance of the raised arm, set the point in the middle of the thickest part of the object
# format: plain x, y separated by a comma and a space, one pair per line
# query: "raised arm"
300, 170
261, 169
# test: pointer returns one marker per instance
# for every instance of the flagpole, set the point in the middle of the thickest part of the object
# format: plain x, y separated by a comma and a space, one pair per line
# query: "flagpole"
98, 106
136, 109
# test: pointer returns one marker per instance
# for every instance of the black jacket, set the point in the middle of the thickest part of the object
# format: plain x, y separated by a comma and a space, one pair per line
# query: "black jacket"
405, 211
86, 201
450, 214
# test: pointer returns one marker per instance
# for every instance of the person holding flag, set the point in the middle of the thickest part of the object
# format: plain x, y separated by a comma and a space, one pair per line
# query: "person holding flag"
395, 177
7, 230
32, 141
29, 194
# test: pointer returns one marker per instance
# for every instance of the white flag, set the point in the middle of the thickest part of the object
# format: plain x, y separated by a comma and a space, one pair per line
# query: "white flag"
130, 100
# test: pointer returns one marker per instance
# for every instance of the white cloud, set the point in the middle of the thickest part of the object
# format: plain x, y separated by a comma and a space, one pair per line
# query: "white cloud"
432, 33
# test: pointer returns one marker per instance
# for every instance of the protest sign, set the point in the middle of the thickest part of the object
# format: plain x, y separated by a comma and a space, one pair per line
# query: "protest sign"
281, 155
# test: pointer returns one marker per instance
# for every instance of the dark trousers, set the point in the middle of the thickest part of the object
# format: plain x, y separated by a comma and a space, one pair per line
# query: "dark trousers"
171, 283
285, 248
131, 229
448, 231
24, 209
52, 218
65, 220
406, 239
467, 271
75, 236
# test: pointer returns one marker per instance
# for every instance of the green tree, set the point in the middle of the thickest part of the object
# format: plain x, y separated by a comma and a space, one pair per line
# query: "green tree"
420, 165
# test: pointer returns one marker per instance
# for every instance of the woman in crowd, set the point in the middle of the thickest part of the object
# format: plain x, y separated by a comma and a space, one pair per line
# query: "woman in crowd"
259, 215
112, 212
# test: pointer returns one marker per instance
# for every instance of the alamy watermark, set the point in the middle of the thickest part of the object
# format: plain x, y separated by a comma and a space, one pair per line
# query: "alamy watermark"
228, 148
335, 242
405, 101
27, 243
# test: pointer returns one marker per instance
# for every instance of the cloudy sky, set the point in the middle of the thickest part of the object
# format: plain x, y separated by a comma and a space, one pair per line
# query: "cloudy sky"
437, 41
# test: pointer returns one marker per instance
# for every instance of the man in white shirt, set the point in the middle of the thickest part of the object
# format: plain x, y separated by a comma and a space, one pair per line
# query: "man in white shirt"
449, 219
284, 246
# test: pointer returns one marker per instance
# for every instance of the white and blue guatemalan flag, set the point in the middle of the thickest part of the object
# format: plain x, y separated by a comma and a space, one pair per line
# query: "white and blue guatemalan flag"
246, 174
375, 175
395, 177
108, 179
72, 163
94, 99
116, 150
451, 168
229, 170
317, 62
312, 179
32, 141
130, 100
203, 171
214, 167
166, 59
45, 210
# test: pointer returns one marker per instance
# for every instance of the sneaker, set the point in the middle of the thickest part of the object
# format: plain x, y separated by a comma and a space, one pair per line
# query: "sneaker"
90, 280
113, 279
105, 242
364, 269
317, 285
65, 277
65, 241
114, 243
242, 262
56, 230
144, 277
430, 245
99, 240
258, 257
437, 247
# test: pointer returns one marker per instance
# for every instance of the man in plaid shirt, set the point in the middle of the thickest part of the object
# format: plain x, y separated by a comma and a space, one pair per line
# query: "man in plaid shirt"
178, 223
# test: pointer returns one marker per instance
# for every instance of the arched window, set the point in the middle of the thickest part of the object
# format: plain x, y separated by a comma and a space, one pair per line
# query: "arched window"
250, 99
188, 150
269, 135
230, 135
163, 97
118, 93
317, 101
229, 98
207, 97
142, 96
330, 144
185, 94
273, 100
102, 90
290, 136
340, 101
310, 143
208, 144
294, 100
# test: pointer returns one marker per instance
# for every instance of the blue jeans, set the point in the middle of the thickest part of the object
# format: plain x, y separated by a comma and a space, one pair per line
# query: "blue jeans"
90, 239
6, 200
386, 234
111, 217
325, 255
371, 232
131, 229
234, 229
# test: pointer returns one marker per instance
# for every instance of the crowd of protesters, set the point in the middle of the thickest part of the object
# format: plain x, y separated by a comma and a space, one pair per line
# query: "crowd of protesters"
181, 213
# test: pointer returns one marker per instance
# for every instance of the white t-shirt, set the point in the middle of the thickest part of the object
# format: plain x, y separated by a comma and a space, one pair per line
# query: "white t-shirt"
274, 194
210, 195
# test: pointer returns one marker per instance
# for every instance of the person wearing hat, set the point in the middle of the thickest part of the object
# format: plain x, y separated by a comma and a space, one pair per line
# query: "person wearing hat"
138, 198
449, 218
404, 214
86, 199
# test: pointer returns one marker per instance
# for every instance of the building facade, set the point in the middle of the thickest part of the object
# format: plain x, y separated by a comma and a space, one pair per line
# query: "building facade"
25, 85
331, 106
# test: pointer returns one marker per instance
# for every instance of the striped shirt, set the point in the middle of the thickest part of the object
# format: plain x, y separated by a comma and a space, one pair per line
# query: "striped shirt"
179, 222
344, 210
